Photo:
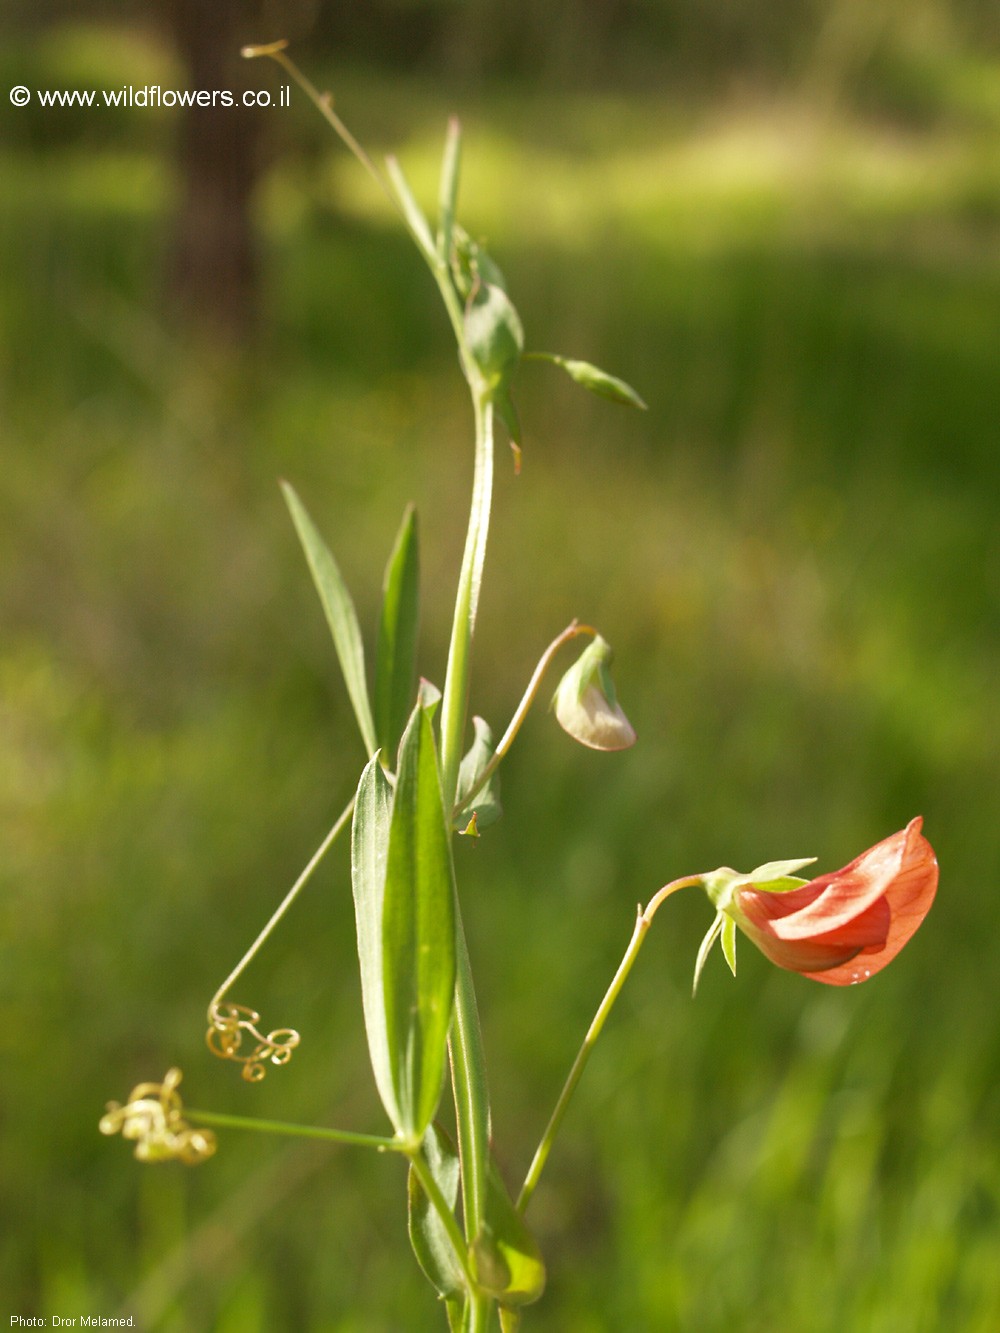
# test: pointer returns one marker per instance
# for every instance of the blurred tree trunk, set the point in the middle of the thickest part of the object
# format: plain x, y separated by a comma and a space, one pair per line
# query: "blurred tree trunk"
212, 264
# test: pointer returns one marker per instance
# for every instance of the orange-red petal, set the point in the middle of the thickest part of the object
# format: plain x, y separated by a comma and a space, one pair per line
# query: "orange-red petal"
844, 927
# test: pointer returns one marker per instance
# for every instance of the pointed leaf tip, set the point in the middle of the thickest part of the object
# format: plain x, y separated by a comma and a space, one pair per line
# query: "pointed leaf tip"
338, 607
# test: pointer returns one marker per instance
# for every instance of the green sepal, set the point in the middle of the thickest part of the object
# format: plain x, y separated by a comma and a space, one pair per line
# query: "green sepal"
776, 876
729, 943
784, 884
340, 614
493, 332
396, 653
369, 843
485, 806
418, 932
505, 1257
711, 935
596, 380
430, 1241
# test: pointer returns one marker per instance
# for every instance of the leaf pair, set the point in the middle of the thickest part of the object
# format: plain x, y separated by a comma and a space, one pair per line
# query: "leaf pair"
401, 867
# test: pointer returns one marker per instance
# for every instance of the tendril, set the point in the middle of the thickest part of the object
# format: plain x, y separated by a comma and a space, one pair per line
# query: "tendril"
153, 1117
230, 1024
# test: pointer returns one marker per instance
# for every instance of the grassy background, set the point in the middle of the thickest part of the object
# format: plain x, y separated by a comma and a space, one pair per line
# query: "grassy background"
795, 555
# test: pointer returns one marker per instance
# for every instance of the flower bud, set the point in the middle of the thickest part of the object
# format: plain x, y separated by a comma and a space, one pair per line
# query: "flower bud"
585, 703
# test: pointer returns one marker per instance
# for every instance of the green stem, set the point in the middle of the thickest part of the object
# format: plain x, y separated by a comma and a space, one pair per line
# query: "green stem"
478, 1313
642, 924
468, 1063
282, 908
456, 685
472, 1116
221, 1121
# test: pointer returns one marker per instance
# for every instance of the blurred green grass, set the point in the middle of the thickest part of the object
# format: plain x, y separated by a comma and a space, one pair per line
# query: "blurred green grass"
795, 554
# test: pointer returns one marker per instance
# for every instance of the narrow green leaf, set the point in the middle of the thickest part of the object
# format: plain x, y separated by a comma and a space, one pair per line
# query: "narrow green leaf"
418, 931
486, 805
340, 614
369, 844
396, 653
506, 1258
411, 210
429, 1239
448, 189
596, 380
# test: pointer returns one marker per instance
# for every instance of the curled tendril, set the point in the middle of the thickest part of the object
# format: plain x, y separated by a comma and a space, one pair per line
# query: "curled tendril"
153, 1116
229, 1024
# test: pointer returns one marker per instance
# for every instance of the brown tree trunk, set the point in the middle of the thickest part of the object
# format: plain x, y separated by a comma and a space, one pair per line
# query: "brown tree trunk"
212, 263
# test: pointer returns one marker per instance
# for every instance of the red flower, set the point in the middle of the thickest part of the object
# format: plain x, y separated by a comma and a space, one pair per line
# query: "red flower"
843, 928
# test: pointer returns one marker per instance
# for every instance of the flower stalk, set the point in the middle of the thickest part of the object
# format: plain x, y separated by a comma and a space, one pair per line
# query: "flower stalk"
644, 920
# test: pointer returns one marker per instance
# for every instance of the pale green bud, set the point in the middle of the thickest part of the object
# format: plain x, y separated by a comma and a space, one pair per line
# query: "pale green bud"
585, 703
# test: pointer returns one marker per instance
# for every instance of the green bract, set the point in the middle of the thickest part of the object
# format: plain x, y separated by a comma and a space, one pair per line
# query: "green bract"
485, 805
493, 332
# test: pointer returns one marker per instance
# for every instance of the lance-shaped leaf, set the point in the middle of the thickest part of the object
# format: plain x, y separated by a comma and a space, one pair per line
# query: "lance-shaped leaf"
418, 932
505, 1255
431, 1243
596, 380
340, 614
395, 658
369, 846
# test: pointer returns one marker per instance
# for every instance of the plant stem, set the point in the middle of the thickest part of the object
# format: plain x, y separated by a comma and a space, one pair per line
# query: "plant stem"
282, 908
456, 686
468, 1063
468, 1072
217, 1119
642, 924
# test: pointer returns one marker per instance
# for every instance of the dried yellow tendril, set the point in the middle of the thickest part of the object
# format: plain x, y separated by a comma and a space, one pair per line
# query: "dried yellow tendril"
230, 1023
153, 1116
